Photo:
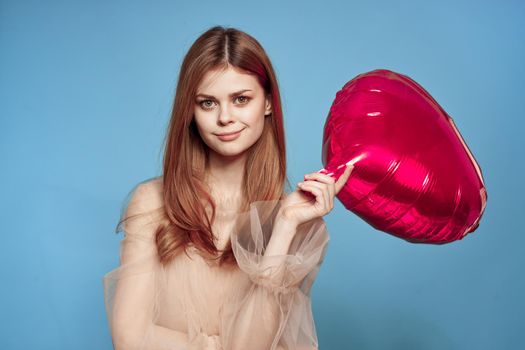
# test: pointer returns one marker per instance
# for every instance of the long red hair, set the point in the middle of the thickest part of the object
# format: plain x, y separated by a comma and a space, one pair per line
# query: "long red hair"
185, 154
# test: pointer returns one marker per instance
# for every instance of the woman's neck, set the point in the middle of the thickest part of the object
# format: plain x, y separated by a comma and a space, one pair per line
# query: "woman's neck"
225, 177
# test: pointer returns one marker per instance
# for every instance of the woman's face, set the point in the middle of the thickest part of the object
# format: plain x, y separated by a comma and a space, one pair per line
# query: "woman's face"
230, 101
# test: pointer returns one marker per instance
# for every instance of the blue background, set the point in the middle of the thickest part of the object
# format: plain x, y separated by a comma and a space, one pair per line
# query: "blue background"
85, 94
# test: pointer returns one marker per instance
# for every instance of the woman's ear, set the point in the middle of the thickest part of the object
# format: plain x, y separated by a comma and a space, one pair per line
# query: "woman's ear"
268, 105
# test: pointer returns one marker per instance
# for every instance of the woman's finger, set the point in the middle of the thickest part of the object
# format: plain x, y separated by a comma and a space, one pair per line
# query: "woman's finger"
323, 178
339, 184
320, 200
320, 196
325, 188
320, 177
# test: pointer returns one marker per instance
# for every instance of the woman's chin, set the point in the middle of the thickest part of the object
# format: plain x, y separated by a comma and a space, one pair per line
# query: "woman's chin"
229, 153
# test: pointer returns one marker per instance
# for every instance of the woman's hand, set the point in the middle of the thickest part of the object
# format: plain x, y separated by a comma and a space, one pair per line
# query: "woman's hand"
313, 198
203, 341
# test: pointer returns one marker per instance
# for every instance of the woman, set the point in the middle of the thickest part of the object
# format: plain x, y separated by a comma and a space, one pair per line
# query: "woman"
216, 255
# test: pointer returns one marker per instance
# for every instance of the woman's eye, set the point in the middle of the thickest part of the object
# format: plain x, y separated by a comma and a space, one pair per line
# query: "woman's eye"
243, 99
206, 104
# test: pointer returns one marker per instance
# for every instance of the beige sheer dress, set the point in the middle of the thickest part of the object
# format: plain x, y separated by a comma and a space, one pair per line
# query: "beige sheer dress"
193, 303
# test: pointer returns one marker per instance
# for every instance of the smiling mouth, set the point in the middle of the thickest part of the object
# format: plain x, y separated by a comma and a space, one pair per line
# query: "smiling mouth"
230, 133
230, 136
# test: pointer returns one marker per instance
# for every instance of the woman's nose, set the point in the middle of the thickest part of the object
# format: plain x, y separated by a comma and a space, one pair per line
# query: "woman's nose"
225, 115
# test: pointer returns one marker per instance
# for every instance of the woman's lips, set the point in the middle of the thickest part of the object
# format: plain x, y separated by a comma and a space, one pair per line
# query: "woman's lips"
229, 137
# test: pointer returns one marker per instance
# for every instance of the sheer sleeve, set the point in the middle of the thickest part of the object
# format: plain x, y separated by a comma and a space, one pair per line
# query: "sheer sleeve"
131, 290
273, 310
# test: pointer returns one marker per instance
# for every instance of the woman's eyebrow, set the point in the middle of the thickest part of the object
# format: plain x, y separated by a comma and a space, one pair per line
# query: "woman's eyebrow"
230, 95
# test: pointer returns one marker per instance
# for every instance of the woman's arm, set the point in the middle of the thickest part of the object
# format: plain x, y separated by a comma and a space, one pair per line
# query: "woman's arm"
131, 289
276, 309
259, 318
271, 310
159, 337
131, 321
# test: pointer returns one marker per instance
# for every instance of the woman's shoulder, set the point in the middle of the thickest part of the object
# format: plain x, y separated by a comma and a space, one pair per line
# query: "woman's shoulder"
153, 185
147, 194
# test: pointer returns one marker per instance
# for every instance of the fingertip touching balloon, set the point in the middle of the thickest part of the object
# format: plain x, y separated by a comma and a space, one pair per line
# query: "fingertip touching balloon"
414, 176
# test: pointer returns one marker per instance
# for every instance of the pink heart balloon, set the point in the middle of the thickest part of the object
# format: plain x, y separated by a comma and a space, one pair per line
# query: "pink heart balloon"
414, 176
